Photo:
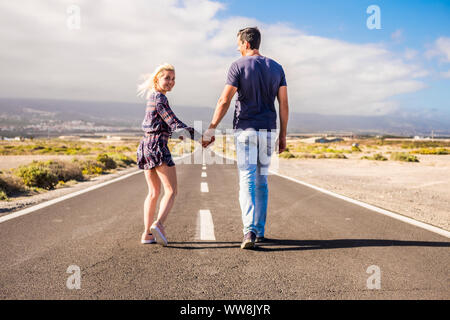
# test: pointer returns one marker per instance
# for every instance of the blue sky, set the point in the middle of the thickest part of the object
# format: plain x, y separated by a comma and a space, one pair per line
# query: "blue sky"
420, 22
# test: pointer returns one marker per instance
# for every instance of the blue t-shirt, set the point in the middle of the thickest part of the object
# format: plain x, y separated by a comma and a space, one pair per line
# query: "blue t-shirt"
257, 79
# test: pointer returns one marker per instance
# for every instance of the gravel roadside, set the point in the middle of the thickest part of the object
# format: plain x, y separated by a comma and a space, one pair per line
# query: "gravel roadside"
417, 190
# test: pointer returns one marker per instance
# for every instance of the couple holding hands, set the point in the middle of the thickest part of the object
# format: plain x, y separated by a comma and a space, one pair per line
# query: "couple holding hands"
258, 80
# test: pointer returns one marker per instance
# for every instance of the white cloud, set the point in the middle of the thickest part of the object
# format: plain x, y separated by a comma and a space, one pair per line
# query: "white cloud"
410, 54
397, 35
441, 49
119, 41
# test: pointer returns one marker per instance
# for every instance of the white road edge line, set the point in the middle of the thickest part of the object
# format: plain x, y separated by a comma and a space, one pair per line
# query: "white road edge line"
204, 187
206, 225
391, 214
73, 194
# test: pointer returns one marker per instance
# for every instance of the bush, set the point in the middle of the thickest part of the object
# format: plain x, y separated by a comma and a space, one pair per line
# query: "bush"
432, 151
402, 156
91, 167
9, 184
379, 157
65, 170
107, 162
286, 155
36, 175
307, 156
338, 156
425, 144
376, 157
3, 196
123, 149
356, 149
121, 159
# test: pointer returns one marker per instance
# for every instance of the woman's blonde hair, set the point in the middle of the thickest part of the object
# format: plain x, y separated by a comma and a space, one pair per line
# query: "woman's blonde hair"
151, 80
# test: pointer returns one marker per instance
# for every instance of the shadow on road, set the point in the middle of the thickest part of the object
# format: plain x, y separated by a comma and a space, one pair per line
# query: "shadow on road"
290, 245
193, 245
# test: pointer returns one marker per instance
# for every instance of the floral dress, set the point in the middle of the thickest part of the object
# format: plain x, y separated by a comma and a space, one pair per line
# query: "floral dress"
158, 125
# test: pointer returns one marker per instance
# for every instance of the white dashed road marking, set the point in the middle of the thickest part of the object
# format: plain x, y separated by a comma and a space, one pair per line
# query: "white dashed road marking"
206, 225
204, 187
204, 175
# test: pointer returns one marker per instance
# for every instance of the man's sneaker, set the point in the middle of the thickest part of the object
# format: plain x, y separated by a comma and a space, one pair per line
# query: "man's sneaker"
260, 239
249, 241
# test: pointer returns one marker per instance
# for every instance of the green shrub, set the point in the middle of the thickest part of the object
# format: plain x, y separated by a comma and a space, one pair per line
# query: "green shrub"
402, 156
379, 157
437, 151
376, 157
36, 175
356, 149
91, 167
286, 155
3, 196
107, 162
65, 170
121, 159
338, 156
307, 156
10, 184
424, 144
321, 156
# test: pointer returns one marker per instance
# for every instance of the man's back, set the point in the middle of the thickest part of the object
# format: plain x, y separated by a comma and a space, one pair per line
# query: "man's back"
258, 80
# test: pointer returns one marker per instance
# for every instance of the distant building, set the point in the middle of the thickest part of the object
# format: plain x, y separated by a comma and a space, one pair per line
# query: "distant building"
113, 138
69, 137
14, 139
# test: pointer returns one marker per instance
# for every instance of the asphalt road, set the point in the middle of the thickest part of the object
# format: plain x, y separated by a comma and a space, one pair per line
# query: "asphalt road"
321, 247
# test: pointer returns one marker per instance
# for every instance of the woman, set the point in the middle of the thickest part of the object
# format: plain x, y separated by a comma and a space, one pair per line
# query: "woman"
153, 155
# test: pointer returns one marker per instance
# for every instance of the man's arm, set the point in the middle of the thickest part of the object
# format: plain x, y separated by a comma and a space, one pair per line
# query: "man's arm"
284, 115
222, 105
221, 110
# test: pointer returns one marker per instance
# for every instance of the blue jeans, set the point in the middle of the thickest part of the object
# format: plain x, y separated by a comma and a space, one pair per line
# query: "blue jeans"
253, 151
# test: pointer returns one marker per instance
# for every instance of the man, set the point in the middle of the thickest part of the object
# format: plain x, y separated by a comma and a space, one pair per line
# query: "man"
258, 80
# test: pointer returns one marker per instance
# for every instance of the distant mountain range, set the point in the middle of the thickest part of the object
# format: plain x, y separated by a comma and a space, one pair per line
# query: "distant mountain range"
19, 113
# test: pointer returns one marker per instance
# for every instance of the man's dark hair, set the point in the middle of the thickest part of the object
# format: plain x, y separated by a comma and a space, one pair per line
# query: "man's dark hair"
251, 35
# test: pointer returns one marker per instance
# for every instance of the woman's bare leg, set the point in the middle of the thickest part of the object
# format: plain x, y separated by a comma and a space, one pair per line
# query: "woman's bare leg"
154, 188
168, 178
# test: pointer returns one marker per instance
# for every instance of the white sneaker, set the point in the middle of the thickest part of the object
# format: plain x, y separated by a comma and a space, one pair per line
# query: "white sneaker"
148, 241
159, 236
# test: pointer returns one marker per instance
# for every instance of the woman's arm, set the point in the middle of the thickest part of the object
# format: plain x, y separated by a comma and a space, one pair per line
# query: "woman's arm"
169, 117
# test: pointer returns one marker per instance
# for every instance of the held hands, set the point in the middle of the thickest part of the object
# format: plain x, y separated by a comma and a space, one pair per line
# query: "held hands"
208, 137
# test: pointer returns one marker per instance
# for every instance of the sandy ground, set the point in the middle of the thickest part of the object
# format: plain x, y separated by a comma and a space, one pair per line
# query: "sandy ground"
417, 190
9, 162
